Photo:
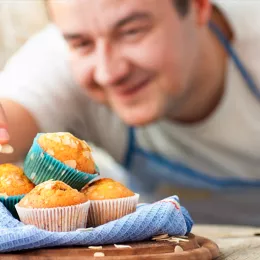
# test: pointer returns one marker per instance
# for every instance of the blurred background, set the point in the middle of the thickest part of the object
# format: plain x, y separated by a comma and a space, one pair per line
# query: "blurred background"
18, 21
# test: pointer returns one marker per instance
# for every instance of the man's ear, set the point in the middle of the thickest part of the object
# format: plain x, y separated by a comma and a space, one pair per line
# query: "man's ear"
203, 9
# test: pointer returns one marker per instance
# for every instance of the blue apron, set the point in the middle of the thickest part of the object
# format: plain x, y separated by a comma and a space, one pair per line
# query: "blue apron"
209, 200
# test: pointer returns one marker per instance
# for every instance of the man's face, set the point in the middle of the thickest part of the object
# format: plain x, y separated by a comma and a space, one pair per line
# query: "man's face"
138, 56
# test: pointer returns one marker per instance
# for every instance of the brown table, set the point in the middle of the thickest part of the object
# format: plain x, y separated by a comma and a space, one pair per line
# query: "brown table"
235, 242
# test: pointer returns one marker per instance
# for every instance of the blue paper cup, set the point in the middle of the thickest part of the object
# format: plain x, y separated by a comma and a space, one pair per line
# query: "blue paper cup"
9, 203
39, 167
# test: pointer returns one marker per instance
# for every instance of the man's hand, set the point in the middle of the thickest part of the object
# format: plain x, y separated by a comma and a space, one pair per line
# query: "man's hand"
4, 136
17, 122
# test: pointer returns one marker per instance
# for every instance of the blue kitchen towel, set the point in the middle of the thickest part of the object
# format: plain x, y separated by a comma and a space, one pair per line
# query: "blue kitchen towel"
165, 216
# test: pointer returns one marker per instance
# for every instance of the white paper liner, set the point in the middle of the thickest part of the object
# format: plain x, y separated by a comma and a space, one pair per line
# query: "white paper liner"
104, 211
60, 219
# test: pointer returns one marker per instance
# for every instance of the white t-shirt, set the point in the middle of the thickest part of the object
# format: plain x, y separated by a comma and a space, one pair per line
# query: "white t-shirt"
225, 145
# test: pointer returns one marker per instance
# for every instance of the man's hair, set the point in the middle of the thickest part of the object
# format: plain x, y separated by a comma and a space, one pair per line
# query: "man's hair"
182, 6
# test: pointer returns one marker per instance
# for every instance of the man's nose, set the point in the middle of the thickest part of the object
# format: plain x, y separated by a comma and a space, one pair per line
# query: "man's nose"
110, 65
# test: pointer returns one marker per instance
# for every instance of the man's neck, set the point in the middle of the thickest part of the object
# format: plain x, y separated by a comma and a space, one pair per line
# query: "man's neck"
209, 80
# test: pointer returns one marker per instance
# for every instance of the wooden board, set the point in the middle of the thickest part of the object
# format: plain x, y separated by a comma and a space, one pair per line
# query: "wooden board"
198, 248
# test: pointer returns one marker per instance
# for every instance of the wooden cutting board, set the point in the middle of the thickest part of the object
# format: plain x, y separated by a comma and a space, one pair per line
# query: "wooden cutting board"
197, 248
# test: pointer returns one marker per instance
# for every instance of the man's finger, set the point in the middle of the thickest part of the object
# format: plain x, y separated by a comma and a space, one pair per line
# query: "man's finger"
4, 135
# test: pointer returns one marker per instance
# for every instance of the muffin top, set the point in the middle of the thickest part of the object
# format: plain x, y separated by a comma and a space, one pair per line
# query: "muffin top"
106, 189
52, 194
68, 149
13, 181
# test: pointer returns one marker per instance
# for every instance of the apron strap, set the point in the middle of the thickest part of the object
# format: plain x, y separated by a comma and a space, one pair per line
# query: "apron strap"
130, 147
235, 57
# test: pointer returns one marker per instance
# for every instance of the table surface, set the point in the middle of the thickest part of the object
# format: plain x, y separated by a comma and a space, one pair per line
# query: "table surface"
235, 242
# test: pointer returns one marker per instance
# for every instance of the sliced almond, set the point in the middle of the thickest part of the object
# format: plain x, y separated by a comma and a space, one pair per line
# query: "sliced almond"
50, 152
122, 246
60, 133
178, 249
56, 139
6, 148
86, 154
85, 229
179, 239
183, 237
26, 202
49, 186
73, 144
66, 141
99, 254
95, 247
159, 237
71, 163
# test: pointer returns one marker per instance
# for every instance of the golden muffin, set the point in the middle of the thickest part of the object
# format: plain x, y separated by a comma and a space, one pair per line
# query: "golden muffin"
110, 200
68, 149
13, 181
106, 189
54, 206
52, 194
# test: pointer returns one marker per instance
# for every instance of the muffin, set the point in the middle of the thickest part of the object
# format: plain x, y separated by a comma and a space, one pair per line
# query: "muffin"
60, 156
54, 206
110, 200
13, 185
68, 149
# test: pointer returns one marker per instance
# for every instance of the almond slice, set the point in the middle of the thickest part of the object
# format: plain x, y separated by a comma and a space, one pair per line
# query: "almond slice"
6, 148
95, 247
71, 163
178, 249
159, 237
183, 237
122, 246
50, 152
56, 139
85, 229
66, 140
86, 154
99, 254
179, 239
73, 145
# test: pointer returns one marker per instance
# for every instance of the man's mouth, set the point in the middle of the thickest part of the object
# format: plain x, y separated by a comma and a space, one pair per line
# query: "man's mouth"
124, 92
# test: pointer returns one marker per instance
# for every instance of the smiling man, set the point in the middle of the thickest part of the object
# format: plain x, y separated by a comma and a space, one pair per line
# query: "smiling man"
169, 88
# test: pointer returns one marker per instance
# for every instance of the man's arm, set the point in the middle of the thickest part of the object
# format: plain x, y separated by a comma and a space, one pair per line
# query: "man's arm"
35, 91
22, 128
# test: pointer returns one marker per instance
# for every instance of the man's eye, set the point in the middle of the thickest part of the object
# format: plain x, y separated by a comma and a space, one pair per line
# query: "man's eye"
84, 44
83, 47
131, 32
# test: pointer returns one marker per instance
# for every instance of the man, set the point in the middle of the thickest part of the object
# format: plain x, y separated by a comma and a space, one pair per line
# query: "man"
167, 95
